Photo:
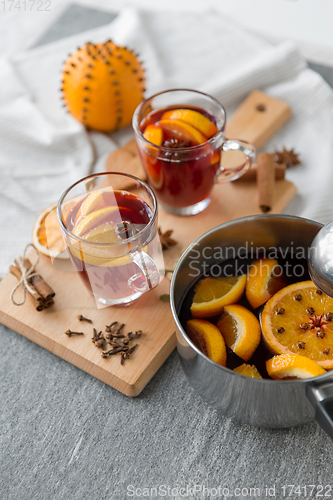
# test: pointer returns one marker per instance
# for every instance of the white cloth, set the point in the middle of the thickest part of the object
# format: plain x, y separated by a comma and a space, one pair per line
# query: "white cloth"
43, 150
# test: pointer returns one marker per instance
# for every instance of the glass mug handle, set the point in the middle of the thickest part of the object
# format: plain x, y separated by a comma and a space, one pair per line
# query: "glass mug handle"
225, 174
150, 274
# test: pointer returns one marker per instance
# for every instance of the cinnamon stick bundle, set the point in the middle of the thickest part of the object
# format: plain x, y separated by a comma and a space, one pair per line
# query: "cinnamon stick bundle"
41, 293
266, 181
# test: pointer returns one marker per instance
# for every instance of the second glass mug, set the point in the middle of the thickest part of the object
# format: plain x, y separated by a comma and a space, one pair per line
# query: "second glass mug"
183, 177
109, 224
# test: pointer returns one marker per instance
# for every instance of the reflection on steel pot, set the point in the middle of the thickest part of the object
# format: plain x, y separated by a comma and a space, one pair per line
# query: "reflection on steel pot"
261, 402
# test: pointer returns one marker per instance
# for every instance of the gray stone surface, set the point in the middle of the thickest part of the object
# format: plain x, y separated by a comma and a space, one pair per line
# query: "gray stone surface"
74, 20
66, 436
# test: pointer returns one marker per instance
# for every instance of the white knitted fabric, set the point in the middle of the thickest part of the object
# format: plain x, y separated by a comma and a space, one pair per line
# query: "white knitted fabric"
43, 150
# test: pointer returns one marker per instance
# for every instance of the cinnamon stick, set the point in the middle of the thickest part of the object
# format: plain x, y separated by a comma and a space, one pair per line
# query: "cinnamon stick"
266, 181
40, 302
40, 285
251, 175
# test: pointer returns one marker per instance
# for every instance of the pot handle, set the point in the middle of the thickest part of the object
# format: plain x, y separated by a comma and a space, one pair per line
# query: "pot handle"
320, 396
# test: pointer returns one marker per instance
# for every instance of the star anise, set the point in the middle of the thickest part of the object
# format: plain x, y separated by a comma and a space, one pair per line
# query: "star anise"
166, 240
289, 158
174, 145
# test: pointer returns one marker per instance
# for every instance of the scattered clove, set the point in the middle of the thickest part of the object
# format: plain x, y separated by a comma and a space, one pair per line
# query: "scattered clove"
70, 333
114, 331
135, 335
118, 342
98, 339
126, 355
82, 318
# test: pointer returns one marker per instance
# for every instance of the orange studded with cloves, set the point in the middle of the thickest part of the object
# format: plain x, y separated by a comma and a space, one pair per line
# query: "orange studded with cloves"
102, 84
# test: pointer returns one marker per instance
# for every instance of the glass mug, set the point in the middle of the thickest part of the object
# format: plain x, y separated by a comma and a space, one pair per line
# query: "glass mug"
109, 224
182, 174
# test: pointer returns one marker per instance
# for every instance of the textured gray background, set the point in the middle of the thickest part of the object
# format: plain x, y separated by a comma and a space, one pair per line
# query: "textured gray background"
65, 435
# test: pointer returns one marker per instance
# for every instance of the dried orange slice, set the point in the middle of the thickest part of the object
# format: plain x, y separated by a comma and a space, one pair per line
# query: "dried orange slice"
92, 220
208, 339
240, 329
153, 134
299, 320
194, 118
211, 294
263, 280
46, 234
292, 365
183, 131
248, 370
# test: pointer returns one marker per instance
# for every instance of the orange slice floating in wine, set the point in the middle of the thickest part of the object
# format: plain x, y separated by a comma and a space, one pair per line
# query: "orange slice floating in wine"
212, 294
93, 220
248, 371
208, 339
183, 131
264, 279
292, 365
240, 329
194, 118
153, 134
299, 320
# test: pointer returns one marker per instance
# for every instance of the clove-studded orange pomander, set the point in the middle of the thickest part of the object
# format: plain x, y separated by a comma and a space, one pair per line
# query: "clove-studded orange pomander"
102, 84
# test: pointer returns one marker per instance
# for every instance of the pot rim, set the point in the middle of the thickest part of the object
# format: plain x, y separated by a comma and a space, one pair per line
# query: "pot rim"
327, 375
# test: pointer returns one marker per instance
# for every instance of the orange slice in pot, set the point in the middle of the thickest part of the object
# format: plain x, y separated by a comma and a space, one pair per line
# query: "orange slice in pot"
194, 118
240, 329
264, 279
46, 234
183, 131
212, 294
292, 365
153, 134
248, 370
208, 339
299, 320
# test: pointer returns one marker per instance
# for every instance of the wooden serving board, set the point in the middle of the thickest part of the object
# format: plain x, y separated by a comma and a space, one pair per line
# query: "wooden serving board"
46, 328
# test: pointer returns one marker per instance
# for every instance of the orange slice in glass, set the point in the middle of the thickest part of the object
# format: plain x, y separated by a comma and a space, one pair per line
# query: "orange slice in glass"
183, 131
194, 118
46, 234
93, 201
153, 134
212, 294
248, 370
93, 220
208, 339
292, 365
263, 280
299, 320
240, 329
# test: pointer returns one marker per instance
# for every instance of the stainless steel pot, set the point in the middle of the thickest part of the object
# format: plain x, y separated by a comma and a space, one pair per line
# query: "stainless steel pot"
267, 403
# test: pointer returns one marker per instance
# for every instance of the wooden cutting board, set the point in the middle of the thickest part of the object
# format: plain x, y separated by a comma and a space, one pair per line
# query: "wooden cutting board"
151, 315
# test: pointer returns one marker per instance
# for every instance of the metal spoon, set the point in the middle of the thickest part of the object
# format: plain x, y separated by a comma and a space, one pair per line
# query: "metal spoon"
321, 260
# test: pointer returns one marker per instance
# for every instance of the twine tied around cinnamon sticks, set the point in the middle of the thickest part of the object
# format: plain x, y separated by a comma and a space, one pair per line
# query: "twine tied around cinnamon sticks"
31, 282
